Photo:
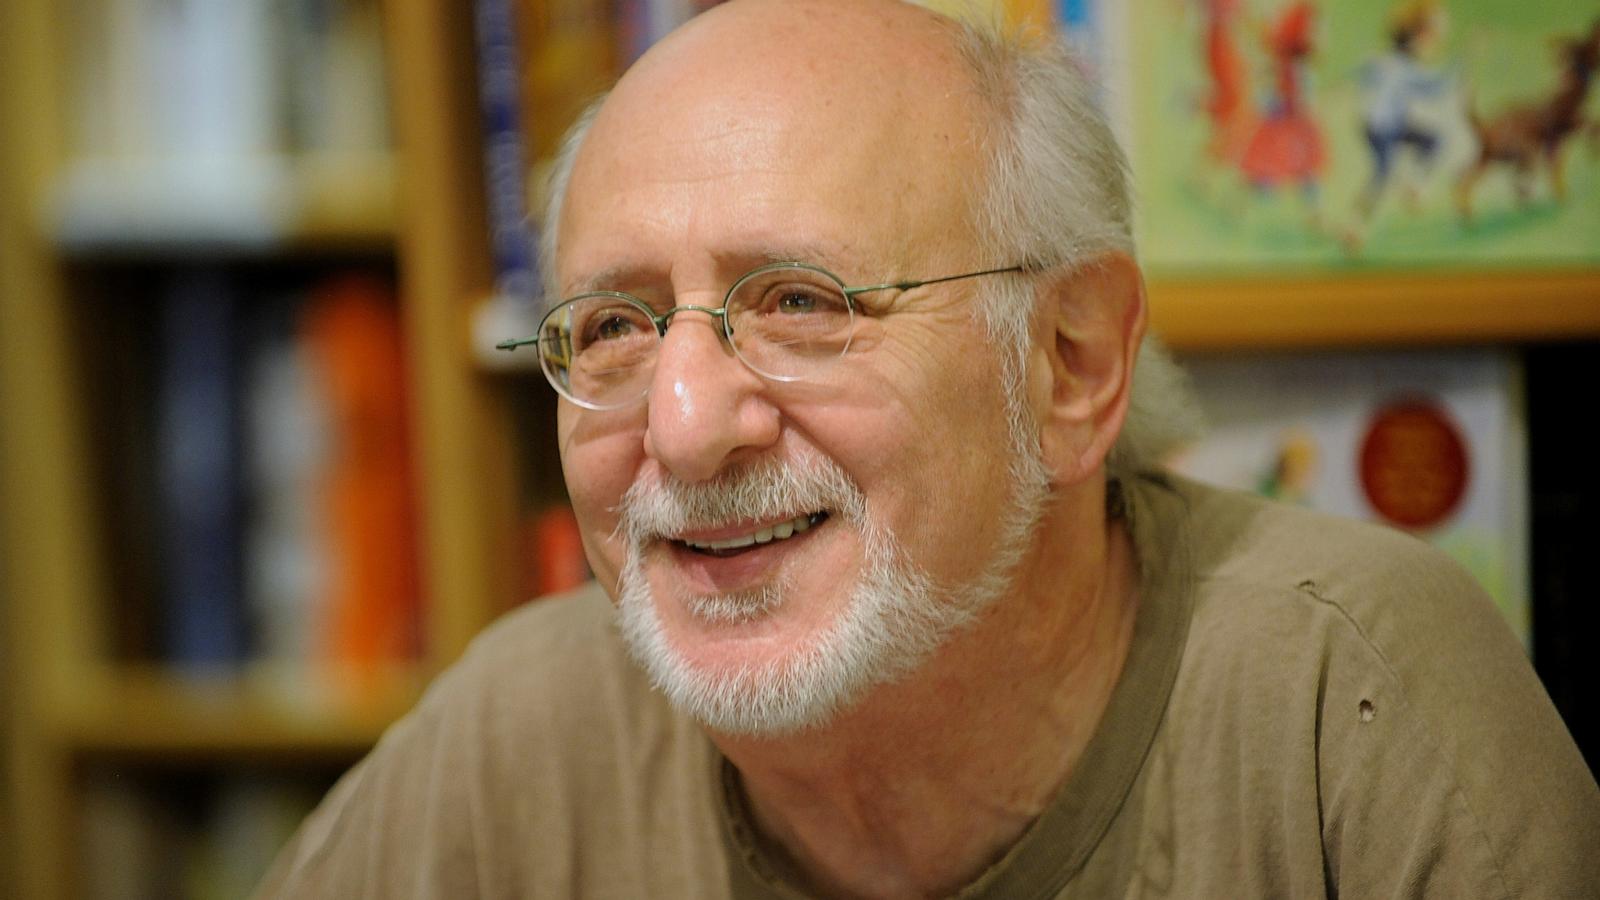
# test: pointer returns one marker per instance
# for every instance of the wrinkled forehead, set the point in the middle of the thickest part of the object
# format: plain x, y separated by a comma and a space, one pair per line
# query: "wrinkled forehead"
866, 108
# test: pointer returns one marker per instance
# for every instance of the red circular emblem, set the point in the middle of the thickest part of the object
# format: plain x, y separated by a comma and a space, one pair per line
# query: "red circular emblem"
1414, 464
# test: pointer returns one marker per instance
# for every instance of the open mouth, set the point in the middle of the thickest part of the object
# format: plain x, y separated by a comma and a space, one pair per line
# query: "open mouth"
759, 537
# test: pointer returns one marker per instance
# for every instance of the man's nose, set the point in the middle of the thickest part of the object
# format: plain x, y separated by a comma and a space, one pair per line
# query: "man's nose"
706, 408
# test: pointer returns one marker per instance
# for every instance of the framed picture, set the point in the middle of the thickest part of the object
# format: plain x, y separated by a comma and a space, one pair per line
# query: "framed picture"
1312, 174
1364, 135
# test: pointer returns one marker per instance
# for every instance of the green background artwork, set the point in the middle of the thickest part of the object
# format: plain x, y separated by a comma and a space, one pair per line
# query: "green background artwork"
1201, 209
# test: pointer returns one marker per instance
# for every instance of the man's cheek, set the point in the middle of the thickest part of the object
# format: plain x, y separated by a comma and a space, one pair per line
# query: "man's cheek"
596, 484
605, 562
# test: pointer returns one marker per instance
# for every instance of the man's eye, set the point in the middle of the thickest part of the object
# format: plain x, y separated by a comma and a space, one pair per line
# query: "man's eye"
613, 327
797, 302
609, 326
801, 300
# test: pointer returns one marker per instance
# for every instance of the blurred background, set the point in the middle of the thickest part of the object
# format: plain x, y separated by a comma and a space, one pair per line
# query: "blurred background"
262, 477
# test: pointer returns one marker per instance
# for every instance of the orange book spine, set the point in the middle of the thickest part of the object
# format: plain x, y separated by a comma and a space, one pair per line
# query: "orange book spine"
373, 607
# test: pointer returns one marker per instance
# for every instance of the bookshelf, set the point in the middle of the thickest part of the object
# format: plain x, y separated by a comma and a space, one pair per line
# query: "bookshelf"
77, 714
147, 711
71, 709
344, 202
1282, 312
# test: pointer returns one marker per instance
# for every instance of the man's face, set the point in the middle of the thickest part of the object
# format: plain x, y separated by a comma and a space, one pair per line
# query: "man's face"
726, 150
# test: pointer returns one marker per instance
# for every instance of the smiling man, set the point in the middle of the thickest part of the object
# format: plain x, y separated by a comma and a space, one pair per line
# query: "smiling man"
890, 601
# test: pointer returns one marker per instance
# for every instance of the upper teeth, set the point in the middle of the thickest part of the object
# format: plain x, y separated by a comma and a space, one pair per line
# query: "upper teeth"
760, 536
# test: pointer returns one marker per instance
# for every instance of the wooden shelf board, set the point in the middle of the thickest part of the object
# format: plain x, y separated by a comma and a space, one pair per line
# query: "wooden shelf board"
1364, 310
157, 711
264, 204
347, 200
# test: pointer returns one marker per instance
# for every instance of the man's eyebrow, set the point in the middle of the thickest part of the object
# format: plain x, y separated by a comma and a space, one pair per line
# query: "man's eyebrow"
815, 254
610, 278
733, 263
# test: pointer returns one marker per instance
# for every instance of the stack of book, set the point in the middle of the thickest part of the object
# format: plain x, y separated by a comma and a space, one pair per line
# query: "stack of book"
259, 454
197, 123
216, 845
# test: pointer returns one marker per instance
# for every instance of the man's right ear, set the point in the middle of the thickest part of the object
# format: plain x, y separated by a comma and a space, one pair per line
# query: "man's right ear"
1096, 316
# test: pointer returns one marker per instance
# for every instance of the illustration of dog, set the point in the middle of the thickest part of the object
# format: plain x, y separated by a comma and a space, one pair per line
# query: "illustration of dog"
1533, 132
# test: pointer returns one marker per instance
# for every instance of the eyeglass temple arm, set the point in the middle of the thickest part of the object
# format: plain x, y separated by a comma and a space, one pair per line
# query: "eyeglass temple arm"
514, 343
908, 285
660, 321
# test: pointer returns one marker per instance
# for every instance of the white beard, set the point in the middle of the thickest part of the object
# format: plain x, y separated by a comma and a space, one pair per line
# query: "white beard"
894, 618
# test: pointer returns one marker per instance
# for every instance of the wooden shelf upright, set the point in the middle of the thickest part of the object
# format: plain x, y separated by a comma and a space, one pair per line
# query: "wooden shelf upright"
64, 700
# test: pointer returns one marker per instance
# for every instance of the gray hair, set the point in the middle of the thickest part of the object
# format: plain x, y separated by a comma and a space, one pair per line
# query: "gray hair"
556, 195
1055, 193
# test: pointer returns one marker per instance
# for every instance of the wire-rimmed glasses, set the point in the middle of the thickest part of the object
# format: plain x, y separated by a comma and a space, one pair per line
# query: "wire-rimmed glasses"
786, 321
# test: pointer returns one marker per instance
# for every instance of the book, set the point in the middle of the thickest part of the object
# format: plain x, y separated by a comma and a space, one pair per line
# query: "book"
120, 344
1433, 443
204, 125
245, 820
566, 57
287, 446
131, 845
367, 515
336, 90
218, 77
512, 238
187, 833
553, 553
198, 470
640, 23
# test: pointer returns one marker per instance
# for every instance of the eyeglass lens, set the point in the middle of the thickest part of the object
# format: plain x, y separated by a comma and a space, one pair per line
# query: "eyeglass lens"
786, 322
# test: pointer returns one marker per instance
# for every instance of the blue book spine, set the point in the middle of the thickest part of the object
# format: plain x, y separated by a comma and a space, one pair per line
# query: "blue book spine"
199, 473
511, 233
634, 32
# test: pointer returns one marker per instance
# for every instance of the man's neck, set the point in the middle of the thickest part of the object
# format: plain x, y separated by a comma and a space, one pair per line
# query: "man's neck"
928, 781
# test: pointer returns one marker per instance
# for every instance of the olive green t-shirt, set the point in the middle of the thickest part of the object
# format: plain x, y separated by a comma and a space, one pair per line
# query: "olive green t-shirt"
1310, 707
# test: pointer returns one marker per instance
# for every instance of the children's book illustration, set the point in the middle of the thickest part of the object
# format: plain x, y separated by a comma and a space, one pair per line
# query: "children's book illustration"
1365, 133
1433, 443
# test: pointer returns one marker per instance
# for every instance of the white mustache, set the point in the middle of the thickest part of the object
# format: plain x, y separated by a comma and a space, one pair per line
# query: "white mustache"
666, 507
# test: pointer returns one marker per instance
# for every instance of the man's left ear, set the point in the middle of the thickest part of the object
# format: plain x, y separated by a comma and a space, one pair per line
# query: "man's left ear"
1094, 320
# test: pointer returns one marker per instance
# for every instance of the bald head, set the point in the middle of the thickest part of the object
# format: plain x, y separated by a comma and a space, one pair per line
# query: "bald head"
853, 127
826, 59
879, 36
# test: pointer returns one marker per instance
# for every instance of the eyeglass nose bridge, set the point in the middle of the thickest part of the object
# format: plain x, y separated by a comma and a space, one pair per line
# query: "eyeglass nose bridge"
720, 312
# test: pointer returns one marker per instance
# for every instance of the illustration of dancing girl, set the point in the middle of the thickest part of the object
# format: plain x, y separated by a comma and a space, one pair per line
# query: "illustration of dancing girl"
1287, 147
